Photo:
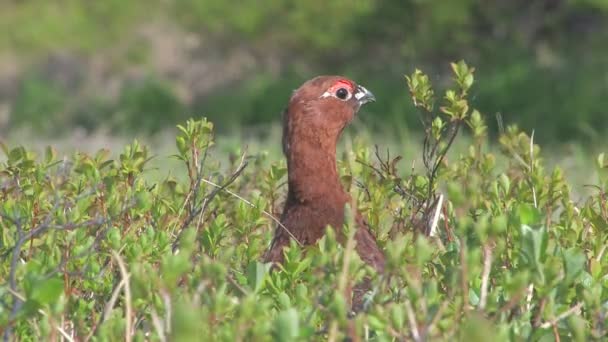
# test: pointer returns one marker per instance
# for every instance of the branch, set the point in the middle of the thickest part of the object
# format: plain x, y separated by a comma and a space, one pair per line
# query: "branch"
487, 266
43, 313
208, 198
561, 316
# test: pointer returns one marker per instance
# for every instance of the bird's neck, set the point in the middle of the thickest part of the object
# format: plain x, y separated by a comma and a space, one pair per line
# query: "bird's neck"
312, 172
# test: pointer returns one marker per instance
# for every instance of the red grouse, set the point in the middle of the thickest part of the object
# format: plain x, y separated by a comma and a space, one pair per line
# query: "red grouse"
315, 117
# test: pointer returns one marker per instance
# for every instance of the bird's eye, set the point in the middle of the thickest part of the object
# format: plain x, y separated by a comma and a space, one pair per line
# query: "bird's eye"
342, 93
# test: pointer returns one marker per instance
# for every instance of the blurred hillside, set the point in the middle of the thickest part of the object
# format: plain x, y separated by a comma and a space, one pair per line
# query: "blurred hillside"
142, 66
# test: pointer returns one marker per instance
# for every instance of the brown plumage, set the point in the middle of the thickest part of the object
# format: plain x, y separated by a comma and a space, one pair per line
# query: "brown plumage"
312, 123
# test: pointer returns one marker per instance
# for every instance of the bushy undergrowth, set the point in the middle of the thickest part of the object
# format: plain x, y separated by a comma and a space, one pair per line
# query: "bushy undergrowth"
92, 251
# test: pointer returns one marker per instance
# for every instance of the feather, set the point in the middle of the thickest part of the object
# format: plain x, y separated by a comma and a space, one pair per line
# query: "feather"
312, 125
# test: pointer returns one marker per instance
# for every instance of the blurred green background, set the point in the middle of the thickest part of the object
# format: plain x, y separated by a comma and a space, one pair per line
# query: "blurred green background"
139, 67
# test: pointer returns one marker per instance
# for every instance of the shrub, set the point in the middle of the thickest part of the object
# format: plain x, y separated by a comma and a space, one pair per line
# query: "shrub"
36, 100
146, 106
92, 249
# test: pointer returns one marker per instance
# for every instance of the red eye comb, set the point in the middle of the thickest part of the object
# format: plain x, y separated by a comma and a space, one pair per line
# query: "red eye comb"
343, 83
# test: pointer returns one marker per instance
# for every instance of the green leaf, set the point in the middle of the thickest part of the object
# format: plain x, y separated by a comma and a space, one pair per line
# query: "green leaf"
4, 148
47, 291
600, 160
528, 214
183, 130
181, 145
50, 154
397, 316
114, 238
468, 81
574, 262
477, 328
534, 248
284, 300
578, 327
16, 154
424, 250
473, 297
143, 200
256, 273
286, 325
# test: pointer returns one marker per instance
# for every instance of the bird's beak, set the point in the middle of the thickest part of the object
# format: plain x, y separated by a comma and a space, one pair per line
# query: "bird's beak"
364, 96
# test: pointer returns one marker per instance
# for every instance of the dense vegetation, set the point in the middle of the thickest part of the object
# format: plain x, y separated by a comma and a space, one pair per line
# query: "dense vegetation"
136, 66
94, 251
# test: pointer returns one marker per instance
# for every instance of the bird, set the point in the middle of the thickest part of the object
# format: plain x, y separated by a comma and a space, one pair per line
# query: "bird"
313, 121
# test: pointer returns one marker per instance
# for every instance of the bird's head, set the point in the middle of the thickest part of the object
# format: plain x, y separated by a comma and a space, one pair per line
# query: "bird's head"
326, 104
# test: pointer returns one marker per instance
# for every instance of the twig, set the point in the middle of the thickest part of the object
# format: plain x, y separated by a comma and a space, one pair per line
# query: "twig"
236, 285
499, 122
200, 165
269, 215
110, 304
532, 151
556, 333
446, 225
168, 314
529, 297
208, 198
17, 302
181, 210
532, 168
158, 326
436, 318
464, 282
455, 128
333, 331
42, 227
412, 321
212, 194
127, 289
16, 250
601, 253
43, 313
439, 205
487, 265
510, 304
561, 316
348, 251
162, 329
